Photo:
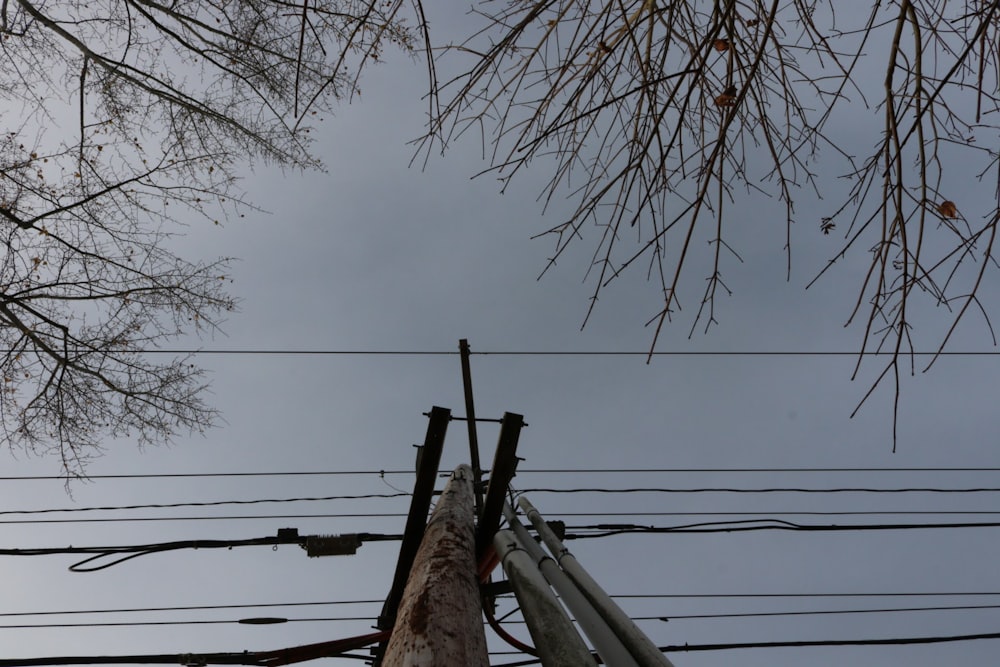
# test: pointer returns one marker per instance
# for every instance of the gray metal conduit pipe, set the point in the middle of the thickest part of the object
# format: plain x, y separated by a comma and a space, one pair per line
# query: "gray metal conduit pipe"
641, 647
557, 641
613, 653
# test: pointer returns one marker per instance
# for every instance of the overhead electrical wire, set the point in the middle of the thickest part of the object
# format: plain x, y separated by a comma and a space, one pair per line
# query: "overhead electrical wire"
245, 621
319, 352
673, 490
236, 517
202, 607
624, 596
609, 530
601, 530
520, 471
894, 641
114, 555
763, 515
372, 618
210, 503
854, 594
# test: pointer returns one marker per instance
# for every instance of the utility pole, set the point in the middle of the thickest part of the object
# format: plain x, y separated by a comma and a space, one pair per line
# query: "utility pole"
440, 619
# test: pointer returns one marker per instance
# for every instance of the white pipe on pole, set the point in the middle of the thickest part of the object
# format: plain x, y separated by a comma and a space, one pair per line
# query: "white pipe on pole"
555, 638
641, 647
613, 653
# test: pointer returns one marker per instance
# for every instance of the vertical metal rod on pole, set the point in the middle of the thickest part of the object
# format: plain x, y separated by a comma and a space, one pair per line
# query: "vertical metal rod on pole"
501, 472
555, 638
420, 502
440, 619
470, 417
644, 650
612, 651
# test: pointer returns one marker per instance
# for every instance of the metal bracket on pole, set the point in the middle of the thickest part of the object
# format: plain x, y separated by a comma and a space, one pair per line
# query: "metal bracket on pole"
420, 504
504, 465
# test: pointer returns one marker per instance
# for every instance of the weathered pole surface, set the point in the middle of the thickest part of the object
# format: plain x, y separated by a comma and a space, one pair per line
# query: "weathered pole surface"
440, 621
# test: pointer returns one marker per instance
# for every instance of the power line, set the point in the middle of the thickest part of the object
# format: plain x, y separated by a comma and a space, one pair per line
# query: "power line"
605, 490
818, 612
293, 473
238, 517
120, 554
626, 596
895, 641
135, 624
524, 471
671, 617
381, 515
212, 503
557, 353
763, 516
609, 530
856, 594
204, 607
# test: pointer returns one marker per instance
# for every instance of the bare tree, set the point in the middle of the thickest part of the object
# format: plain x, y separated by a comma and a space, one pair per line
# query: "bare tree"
656, 117
125, 120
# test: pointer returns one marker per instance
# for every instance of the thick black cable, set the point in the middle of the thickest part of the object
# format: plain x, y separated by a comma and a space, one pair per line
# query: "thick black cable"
645, 596
763, 515
896, 641
672, 617
605, 490
625, 596
132, 624
558, 353
524, 471
703, 596
608, 530
206, 607
121, 553
237, 517
816, 612
213, 503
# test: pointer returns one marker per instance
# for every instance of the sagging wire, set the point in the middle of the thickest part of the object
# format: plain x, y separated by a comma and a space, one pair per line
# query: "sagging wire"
610, 529
315, 545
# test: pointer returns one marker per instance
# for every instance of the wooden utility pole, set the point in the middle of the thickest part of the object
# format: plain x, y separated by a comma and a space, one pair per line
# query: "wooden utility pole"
440, 622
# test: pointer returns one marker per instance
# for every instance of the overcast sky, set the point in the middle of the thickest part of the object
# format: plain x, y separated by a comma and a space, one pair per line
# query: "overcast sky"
373, 255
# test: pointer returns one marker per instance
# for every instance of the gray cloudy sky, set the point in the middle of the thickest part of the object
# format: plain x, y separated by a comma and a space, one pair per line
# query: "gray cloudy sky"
372, 255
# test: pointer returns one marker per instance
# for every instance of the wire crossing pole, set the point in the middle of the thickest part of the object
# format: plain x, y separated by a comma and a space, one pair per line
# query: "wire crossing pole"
440, 619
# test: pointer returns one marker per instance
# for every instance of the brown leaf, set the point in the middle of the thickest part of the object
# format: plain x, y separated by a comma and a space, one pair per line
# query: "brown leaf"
948, 209
721, 44
727, 98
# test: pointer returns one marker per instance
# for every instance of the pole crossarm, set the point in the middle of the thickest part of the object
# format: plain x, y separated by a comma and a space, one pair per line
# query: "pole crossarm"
420, 504
504, 466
